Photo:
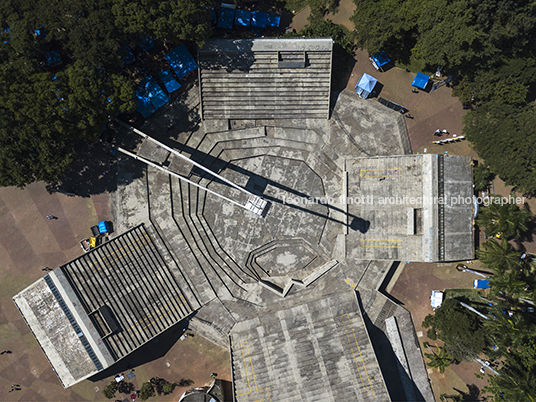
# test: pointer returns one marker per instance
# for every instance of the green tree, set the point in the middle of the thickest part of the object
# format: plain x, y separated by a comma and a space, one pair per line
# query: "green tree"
164, 20
460, 330
110, 390
502, 135
439, 360
482, 177
389, 25
146, 391
168, 388
499, 256
515, 381
47, 110
500, 216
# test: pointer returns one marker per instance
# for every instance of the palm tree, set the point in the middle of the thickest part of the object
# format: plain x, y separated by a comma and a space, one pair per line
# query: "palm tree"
438, 360
509, 285
499, 256
505, 218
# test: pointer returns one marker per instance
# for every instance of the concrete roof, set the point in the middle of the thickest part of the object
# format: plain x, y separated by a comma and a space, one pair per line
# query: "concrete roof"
265, 78
458, 230
268, 45
406, 208
98, 308
62, 328
314, 351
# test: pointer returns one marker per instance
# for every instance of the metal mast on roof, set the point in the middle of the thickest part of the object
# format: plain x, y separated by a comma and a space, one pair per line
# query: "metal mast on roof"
255, 204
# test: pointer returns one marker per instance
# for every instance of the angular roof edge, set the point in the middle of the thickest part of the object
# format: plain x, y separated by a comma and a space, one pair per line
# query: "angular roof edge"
268, 45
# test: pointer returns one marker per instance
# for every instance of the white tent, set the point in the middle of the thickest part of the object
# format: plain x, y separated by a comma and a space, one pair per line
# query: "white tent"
365, 85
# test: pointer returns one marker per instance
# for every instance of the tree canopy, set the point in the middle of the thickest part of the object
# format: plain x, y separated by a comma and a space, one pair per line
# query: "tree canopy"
460, 329
489, 46
48, 107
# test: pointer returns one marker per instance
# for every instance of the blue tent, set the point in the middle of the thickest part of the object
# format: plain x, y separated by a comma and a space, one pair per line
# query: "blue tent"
420, 81
365, 85
227, 13
168, 80
259, 19
53, 58
145, 43
381, 59
150, 97
181, 61
273, 20
243, 18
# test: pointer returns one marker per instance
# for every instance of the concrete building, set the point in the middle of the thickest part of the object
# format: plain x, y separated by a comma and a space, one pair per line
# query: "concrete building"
265, 78
295, 296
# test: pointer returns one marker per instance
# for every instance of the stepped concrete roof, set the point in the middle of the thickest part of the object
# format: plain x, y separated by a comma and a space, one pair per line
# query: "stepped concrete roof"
265, 78
100, 307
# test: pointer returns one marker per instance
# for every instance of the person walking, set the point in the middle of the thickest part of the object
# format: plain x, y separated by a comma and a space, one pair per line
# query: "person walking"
51, 217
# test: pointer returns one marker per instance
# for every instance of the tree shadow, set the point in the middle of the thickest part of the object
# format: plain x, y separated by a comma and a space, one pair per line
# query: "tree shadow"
473, 393
151, 350
96, 169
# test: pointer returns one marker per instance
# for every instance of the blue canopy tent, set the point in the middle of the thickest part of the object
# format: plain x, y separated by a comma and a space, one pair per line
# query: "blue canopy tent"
420, 81
181, 61
243, 18
53, 58
259, 19
150, 97
170, 83
365, 85
227, 14
380, 59
273, 20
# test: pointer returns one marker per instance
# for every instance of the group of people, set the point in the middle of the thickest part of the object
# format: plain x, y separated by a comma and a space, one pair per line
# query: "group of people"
439, 132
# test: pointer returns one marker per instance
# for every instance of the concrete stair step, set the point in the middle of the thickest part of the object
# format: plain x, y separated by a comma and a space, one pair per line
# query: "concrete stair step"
161, 211
216, 269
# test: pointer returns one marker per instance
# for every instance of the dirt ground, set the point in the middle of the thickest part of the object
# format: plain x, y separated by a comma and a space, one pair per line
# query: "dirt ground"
28, 243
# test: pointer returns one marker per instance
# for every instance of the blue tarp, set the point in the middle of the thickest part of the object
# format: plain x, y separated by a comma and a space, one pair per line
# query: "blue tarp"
145, 43
227, 14
168, 80
420, 81
243, 18
53, 58
150, 97
273, 20
481, 284
103, 227
365, 85
129, 56
259, 19
181, 61
381, 58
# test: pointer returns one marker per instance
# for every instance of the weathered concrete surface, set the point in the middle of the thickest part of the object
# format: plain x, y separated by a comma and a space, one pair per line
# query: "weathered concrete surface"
224, 251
